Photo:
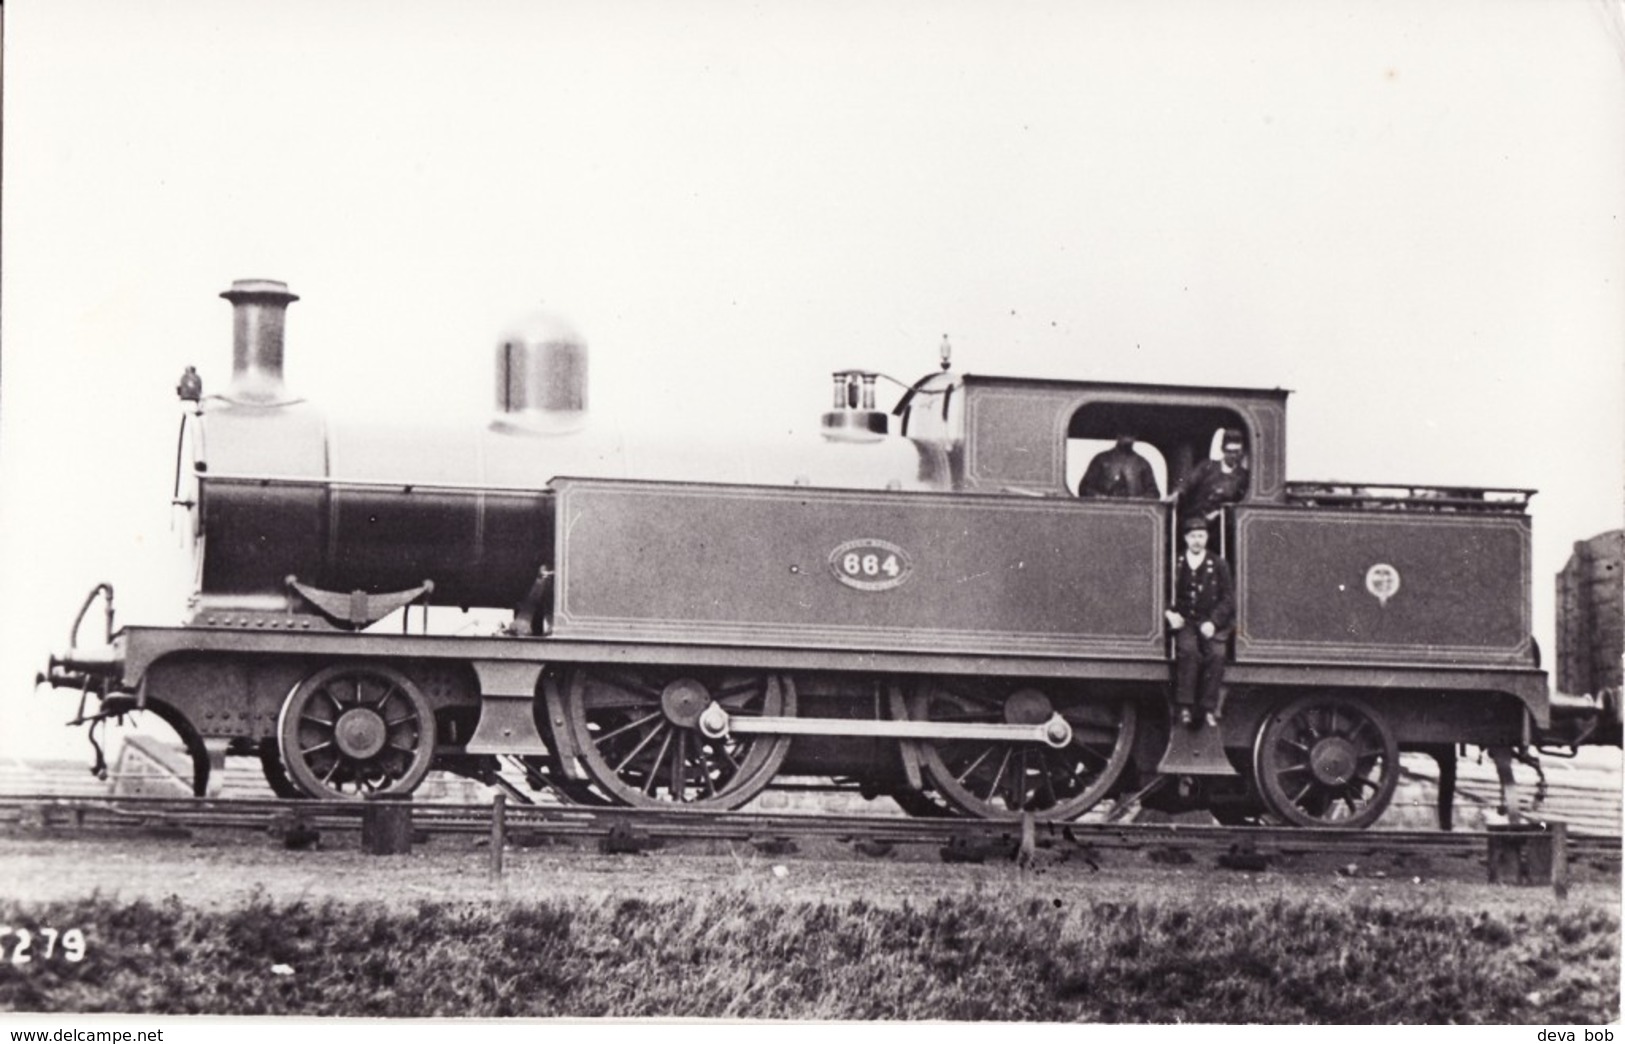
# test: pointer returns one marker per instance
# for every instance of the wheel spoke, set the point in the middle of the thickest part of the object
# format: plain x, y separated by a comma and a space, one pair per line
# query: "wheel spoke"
999, 775
653, 775
1020, 785
1084, 748
629, 726
656, 731
679, 767
1044, 777
741, 703
973, 765
706, 769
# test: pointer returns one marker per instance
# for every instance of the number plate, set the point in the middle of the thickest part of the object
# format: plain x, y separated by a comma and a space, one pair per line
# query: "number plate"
870, 565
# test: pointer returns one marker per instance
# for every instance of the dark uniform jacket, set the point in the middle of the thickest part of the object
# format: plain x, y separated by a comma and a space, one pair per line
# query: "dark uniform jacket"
1119, 473
1206, 488
1206, 594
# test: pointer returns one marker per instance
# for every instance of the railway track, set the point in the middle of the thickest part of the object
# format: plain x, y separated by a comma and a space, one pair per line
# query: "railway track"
958, 839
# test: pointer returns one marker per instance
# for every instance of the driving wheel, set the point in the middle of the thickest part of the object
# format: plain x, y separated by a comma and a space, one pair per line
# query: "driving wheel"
640, 739
1002, 779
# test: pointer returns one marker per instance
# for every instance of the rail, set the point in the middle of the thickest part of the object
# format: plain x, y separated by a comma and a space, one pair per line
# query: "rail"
161, 818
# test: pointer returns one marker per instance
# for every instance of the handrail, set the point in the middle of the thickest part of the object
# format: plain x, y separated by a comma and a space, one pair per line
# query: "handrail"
1401, 496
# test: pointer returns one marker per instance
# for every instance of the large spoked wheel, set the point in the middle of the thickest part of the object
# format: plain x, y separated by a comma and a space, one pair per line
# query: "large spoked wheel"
996, 779
1326, 761
351, 730
640, 740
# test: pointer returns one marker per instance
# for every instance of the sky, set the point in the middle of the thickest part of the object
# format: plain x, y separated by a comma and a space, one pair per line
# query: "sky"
1409, 214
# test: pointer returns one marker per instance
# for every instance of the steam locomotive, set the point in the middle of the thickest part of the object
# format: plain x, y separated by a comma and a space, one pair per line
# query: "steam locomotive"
912, 604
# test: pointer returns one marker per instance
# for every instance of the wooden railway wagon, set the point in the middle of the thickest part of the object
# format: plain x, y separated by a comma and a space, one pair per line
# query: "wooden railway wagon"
914, 604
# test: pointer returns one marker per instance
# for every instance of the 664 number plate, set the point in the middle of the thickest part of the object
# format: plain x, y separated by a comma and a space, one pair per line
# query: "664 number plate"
870, 564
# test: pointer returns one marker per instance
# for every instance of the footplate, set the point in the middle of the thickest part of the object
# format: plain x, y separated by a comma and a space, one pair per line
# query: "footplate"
1195, 751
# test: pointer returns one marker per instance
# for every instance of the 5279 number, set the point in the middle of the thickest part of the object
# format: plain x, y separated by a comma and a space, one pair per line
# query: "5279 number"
23, 946
870, 564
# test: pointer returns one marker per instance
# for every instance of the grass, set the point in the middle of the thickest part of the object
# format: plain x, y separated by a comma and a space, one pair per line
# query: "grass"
742, 953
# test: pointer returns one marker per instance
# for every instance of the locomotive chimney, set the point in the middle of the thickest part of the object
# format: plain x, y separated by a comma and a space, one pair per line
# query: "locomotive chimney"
259, 309
541, 375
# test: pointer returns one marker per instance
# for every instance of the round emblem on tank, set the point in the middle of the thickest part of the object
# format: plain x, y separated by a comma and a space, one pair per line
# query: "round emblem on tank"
870, 564
1382, 580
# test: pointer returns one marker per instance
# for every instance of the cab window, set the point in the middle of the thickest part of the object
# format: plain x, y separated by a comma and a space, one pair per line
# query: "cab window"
1173, 438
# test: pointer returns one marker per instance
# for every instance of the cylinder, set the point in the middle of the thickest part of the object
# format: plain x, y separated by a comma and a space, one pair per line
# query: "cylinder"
259, 312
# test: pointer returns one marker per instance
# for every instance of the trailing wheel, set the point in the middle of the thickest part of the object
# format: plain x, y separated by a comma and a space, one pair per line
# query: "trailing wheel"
1000, 779
356, 729
640, 740
1326, 760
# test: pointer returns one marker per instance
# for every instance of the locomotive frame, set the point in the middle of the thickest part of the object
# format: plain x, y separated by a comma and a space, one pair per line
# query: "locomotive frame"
685, 643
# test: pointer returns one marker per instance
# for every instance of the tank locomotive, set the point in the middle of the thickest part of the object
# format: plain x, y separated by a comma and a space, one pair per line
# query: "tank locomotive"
913, 604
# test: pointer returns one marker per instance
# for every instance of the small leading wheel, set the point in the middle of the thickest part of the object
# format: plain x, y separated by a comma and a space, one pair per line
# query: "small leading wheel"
356, 729
640, 740
999, 779
1326, 760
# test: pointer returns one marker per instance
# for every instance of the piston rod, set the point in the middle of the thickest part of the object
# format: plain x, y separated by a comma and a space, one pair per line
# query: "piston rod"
717, 722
